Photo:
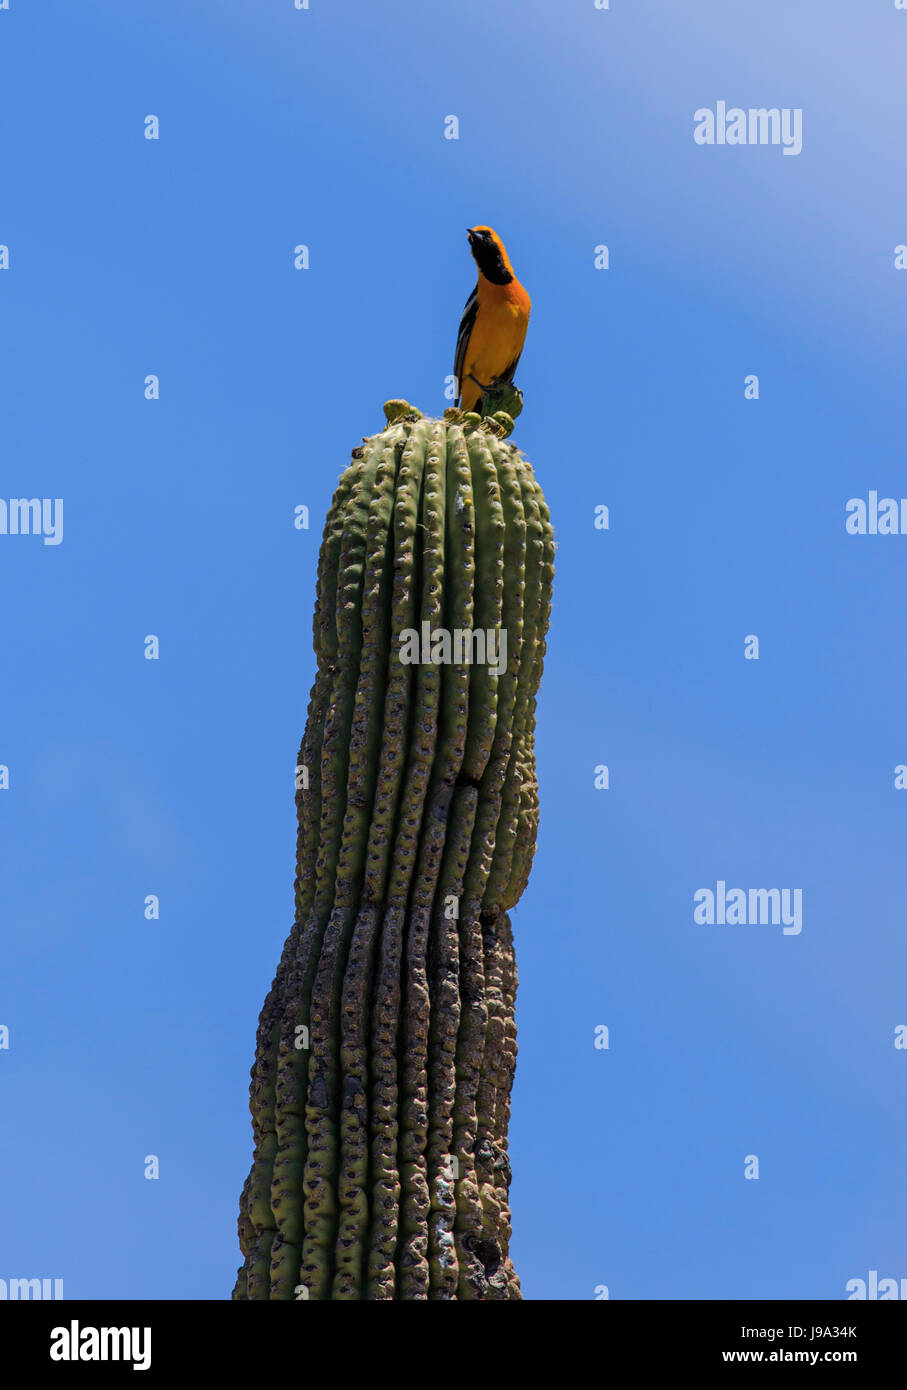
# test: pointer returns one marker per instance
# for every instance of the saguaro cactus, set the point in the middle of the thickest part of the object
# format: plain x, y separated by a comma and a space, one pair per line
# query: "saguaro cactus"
386, 1047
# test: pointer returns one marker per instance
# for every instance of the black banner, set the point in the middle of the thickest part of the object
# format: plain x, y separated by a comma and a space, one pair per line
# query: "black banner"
671, 1338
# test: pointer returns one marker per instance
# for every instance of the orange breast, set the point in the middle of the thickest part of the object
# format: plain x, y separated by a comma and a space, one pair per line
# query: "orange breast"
499, 331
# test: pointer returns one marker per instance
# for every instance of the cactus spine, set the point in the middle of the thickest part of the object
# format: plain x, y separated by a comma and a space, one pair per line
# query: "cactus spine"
386, 1047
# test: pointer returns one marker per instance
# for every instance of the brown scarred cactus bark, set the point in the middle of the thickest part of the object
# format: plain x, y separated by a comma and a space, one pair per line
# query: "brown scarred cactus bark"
386, 1047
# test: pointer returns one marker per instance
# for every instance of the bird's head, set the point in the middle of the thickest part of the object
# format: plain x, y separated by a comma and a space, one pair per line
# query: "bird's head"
489, 255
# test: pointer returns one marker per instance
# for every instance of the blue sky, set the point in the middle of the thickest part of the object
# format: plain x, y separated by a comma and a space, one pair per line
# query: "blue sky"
130, 777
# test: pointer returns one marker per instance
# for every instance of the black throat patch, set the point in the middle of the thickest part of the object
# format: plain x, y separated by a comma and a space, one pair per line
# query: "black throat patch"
490, 262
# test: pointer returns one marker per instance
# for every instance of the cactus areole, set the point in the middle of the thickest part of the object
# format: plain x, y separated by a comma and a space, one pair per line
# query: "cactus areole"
386, 1047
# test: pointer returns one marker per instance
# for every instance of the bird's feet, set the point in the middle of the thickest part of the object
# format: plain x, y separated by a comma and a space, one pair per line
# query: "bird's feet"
500, 395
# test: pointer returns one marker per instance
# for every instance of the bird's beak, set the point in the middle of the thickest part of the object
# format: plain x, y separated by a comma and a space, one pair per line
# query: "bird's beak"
470, 233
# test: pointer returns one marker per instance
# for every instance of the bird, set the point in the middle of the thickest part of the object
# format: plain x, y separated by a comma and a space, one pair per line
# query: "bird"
493, 326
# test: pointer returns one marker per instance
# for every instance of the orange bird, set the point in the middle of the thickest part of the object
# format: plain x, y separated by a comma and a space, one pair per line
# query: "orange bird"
494, 323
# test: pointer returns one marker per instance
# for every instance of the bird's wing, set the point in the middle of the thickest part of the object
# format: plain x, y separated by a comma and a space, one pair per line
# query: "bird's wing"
466, 327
